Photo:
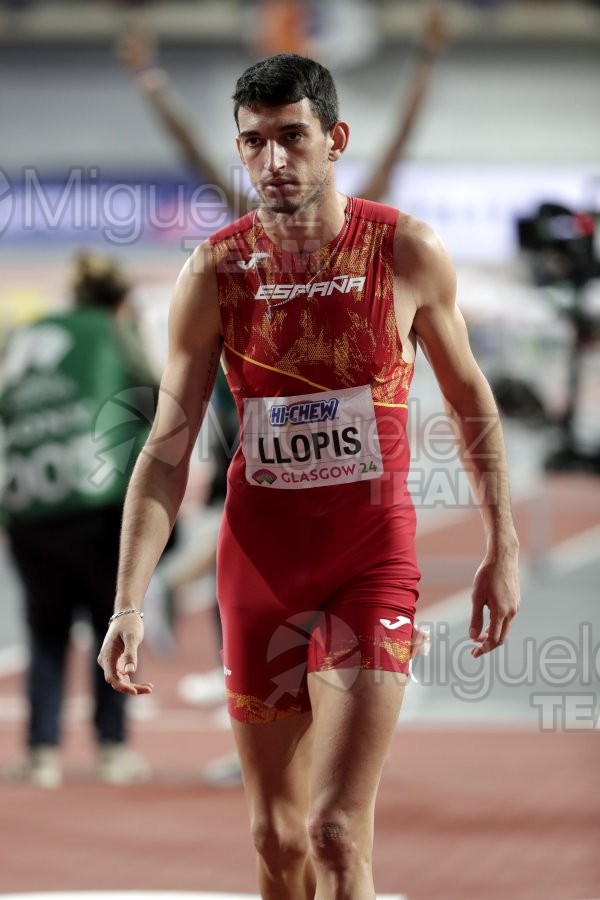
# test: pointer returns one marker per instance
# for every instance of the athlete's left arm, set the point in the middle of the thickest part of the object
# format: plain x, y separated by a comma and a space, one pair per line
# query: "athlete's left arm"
425, 273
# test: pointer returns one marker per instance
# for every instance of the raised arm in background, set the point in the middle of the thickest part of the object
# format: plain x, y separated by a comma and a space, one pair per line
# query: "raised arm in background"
138, 54
433, 40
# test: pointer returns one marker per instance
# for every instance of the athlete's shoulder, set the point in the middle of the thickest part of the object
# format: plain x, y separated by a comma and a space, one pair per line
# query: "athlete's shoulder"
233, 230
416, 240
371, 211
421, 258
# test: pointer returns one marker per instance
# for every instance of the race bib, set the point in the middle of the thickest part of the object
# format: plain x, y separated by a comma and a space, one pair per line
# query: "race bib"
313, 440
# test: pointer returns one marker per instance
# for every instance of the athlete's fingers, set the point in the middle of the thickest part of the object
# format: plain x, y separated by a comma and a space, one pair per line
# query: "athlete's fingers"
476, 625
119, 683
506, 626
117, 659
112, 659
495, 629
123, 685
492, 639
480, 639
109, 656
127, 663
144, 687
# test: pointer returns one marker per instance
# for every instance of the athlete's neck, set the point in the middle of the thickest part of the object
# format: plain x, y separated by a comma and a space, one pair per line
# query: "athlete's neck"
309, 227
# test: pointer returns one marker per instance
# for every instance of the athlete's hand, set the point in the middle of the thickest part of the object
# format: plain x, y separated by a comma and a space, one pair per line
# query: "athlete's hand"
496, 586
118, 655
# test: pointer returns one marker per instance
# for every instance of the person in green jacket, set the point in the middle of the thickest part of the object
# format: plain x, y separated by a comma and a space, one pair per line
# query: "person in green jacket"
76, 403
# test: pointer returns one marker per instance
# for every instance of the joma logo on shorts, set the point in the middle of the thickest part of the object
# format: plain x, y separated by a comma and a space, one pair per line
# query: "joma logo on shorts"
341, 284
301, 412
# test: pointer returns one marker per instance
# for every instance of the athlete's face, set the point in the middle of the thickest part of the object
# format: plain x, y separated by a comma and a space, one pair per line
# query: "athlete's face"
287, 155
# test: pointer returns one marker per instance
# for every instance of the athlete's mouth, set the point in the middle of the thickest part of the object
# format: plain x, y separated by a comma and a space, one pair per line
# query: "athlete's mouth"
279, 182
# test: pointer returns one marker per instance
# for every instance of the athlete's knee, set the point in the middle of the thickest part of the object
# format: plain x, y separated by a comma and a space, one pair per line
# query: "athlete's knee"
280, 845
333, 840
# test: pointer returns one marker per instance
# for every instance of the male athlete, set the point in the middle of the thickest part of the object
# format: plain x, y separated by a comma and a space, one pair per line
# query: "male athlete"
316, 302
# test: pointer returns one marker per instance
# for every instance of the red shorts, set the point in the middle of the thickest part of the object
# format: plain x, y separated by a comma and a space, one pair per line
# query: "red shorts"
309, 581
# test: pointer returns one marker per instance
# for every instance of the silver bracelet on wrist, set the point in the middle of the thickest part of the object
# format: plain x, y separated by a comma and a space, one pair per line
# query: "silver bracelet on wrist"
125, 612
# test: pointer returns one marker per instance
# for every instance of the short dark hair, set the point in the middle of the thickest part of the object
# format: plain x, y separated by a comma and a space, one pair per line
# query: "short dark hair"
288, 78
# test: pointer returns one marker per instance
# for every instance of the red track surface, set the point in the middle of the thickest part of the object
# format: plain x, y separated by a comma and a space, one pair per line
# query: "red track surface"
461, 814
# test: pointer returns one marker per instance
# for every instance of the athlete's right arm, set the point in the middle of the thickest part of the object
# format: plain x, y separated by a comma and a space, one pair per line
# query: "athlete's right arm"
160, 475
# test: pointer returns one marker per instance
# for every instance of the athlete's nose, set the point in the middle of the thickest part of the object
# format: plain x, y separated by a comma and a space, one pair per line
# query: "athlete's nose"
276, 158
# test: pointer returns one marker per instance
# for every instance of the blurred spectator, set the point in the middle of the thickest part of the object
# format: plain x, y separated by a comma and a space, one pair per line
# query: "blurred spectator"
282, 26
75, 407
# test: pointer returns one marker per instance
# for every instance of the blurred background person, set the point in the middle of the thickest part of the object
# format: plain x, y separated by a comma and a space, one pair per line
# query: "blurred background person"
76, 400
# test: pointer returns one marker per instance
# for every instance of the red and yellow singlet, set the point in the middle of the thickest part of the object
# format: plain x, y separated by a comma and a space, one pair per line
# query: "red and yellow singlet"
316, 555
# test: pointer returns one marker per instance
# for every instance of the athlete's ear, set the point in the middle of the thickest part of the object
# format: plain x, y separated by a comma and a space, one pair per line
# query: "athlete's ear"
238, 143
338, 140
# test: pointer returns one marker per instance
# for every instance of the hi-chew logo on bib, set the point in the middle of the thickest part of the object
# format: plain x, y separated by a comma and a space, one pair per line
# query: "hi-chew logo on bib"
312, 440
302, 411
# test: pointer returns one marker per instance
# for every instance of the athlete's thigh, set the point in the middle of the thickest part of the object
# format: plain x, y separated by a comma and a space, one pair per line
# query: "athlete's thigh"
266, 626
275, 761
355, 712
